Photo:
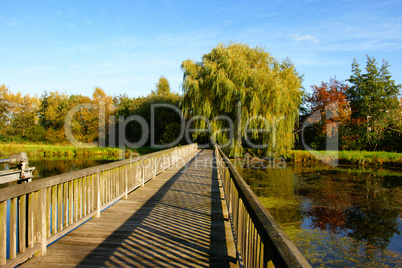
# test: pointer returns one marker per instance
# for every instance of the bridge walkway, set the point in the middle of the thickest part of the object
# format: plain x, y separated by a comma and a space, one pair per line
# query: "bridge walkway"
178, 219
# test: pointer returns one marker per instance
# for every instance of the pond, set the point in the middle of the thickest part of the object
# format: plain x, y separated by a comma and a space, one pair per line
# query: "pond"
338, 217
46, 167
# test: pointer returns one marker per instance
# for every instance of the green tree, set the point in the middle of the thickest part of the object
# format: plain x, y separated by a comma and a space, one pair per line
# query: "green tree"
52, 114
373, 97
24, 114
244, 84
4, 106
157, 110
162, 87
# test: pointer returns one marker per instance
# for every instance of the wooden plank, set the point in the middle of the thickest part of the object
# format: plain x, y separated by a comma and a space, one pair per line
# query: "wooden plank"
3, 232
71, 202
65, 204
30, 226
13, 228
23, 257
126, 180
102, 188
79, 197
92, 193
89, 193
76, 196
60, 207
98, 195
84, 196
42, 214
22, 224
54, 209
48, 211
37, 217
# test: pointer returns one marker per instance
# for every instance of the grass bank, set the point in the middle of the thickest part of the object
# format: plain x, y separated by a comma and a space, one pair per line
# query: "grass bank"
350, 157
46, 150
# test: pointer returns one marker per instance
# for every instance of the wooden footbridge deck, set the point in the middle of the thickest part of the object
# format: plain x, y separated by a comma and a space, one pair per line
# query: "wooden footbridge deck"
181, 207
176, 220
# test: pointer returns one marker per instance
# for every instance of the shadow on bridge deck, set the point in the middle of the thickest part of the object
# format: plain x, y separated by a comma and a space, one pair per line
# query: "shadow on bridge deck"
176, 220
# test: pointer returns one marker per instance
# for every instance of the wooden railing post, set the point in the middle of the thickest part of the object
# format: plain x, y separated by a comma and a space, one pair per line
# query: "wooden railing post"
97, 194
126, 180
154, 168
43, 231
143, 174
13, 228
3, 232
22, 222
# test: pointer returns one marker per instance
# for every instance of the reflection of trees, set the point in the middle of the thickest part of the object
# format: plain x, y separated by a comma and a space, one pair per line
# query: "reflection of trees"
279, 185
365, 206
375, 226
325, 218
47, 168
288, 214
374, 216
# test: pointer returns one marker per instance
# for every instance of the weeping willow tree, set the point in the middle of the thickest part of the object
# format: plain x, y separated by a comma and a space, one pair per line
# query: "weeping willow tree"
243, 97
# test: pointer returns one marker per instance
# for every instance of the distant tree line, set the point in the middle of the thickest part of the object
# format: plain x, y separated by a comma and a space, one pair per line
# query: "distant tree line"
234, 87
43, 119
368, 112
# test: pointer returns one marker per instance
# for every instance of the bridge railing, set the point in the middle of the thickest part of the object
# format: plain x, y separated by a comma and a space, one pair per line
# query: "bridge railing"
260, 241
34, 215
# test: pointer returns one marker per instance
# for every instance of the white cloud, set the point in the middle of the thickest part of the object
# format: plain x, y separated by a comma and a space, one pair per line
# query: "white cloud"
307, 37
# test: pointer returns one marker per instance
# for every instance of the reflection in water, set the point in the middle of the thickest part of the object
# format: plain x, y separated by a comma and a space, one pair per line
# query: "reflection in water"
345, 216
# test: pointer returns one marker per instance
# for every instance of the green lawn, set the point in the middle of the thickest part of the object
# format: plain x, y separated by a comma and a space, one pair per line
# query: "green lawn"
350, 157
31, 149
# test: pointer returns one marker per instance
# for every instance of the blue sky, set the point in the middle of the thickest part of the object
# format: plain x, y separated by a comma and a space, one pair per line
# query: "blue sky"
125, 46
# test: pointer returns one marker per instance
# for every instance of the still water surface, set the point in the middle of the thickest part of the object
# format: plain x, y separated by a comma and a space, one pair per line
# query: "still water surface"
338, 217
46, 167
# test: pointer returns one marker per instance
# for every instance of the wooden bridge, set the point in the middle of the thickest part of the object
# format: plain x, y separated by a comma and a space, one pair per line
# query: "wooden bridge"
181, 207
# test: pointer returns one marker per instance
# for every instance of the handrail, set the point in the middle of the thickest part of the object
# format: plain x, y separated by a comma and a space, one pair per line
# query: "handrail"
42, 211
259, 238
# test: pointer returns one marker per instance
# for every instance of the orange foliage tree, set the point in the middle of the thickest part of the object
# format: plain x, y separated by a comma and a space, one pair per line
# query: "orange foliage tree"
329, 101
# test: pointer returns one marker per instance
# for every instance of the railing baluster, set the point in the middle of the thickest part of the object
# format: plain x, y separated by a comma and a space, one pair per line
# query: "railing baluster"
84, 196
54, 209
93, 195
13, 228
60, 207
76, 197
48, 210
65, 204
98, 194
3, 232
22, 217
31, 231
42, 214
